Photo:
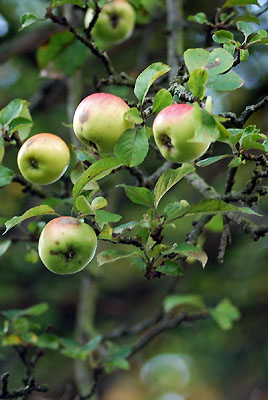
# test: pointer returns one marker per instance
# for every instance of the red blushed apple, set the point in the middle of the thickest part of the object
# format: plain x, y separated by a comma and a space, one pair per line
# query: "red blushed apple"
43, 158
173, 129
66, 245
99, 121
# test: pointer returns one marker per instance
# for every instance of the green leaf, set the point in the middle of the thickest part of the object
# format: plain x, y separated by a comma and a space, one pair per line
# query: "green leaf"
80, 3
225, 313
139, 262
139, 195
246, 18
211, 206
234, 3
260, 37
56, 44
230, 47
33, 311
195, 59
32, 256
168, 179
83, 205
176, 209
170, 268
219, 61
236, 162
48, 341
189, 250
73, 349
36, 310
179, 300
206, 129
111, 255
245, 27
6, 175
244, 54
102, 217
98, 203
116, 363
27, 20
211, 160
225, 82
215, 224
223, 36
197, 82
96, 171
116, 357
18, 123
251, 137
71, 58
4, 246
162, 99
147, 78
12, 111
236, 135
132, 147
251, 141
125, 227
133, 115
23, 325
93, 343
85, 155
200, 18
66, 53
33, 212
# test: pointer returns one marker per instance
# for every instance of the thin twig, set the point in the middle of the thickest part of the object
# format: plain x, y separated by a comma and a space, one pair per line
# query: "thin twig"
102, 55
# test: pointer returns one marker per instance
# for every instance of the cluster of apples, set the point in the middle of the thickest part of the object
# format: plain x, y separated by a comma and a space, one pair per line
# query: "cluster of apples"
67, 245
99, 122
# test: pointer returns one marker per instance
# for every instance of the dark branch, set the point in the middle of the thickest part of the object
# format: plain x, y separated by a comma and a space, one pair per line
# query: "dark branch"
29, 388
28, 187
102, 55
249, 110
162, 326
93, 21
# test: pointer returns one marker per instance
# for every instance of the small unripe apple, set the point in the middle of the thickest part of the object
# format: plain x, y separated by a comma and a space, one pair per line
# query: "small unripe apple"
43, 158
99, 121
115, 21
173, 128
66, 245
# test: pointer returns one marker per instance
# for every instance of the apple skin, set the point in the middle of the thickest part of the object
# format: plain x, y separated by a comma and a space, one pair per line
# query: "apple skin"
43, 158
99, 121
173, 127
115, 22
66, 245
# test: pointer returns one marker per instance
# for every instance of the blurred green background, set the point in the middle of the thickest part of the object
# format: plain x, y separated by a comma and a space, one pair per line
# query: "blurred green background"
198, 362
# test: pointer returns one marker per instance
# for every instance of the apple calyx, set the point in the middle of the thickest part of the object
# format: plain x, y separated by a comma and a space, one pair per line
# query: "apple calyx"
173, 130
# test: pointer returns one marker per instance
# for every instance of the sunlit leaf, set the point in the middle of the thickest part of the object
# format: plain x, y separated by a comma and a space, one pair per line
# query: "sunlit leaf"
147, 78
168, 179
32, 212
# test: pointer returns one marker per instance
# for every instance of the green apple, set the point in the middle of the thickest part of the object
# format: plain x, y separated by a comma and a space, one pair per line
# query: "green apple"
66, 245
43, 158
173, 129
115, 22
99, 121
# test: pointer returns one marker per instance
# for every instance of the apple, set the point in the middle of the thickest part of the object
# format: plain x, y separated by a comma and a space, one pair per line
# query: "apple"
99, 121
115, 22
43, 158
66, 245
173, 128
